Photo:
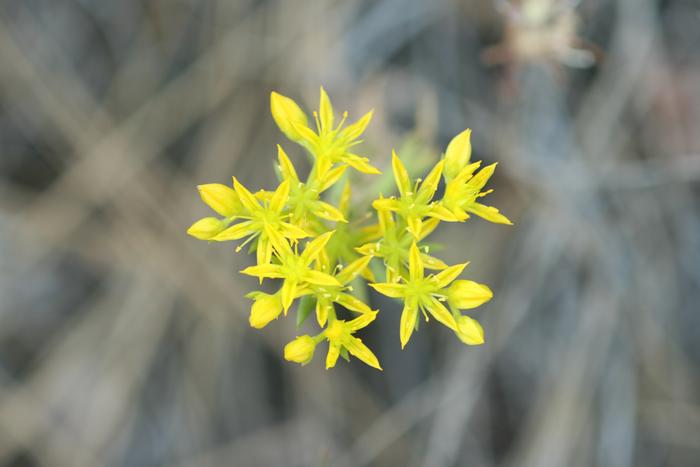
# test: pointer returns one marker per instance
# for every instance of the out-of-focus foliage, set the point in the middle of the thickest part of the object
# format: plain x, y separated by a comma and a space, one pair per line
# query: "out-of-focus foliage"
125, 342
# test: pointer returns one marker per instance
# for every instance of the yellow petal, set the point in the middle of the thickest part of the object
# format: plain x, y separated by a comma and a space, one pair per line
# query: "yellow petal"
443, 278
441, 313
300, 350
315, 246
333, 354
265, 309
362, 321
288, 293
440, 212
361, 164
205, 229
322, 308
414, 225
386, 204
352, 303
325, 110
368, 249
279, 243
489, 213
292, 231
415, 262
332, 177
328, 212
355, 130
390, 289
247, 199
286, 167
479, 180
264, 250
431, 262
430, 184
349, 272
359, 350
319, 278
403, 182
408, 321
428, 227
470, 331
344, 202
273, 271
458, 153
235, 232
220, 198
466, 294
306, 135
287, 115
279, 198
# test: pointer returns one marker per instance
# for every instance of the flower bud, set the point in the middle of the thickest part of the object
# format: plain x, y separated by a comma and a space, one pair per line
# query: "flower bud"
465, 295
300, 350
457, 155
469, 331
265, 309
206, 228
287, 114
220, 198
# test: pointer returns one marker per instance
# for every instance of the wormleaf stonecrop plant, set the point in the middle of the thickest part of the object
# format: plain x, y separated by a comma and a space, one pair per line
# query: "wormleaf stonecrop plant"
322, 255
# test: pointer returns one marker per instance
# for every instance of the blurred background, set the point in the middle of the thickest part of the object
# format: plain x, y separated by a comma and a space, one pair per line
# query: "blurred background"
124, 342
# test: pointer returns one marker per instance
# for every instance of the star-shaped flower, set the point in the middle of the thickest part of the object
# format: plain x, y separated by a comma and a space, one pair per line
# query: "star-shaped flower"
415, 203
421, 293
295, 269
260, 220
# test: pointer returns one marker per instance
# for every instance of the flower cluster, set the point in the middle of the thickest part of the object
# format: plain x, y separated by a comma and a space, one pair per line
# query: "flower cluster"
323, 254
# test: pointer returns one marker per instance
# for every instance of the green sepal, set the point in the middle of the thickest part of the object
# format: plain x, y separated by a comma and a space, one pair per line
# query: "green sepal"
344, 354
306, 305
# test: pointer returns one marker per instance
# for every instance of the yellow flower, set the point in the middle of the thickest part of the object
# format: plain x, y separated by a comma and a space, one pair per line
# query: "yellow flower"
465, 295
326, 295
421, 293
261, 219
300, 350
221, 199
304, 198
457, 155
327, 144
206, 228
463, 187
394, 244
469, 331
294, 269
265, 308
415, 203
339, 335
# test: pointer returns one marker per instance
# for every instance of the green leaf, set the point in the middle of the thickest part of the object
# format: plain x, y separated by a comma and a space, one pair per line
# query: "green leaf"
344, 354
306, 305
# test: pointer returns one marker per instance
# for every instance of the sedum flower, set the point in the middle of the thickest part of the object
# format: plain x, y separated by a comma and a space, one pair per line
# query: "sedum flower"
300, 350
260, 220
295, 269
463, 187
265, 308
457, 155
340, 337
421, 293
469, 331
304, 198
342, 243
206, 228
394, 244
326, 295
328, 144
415, 202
